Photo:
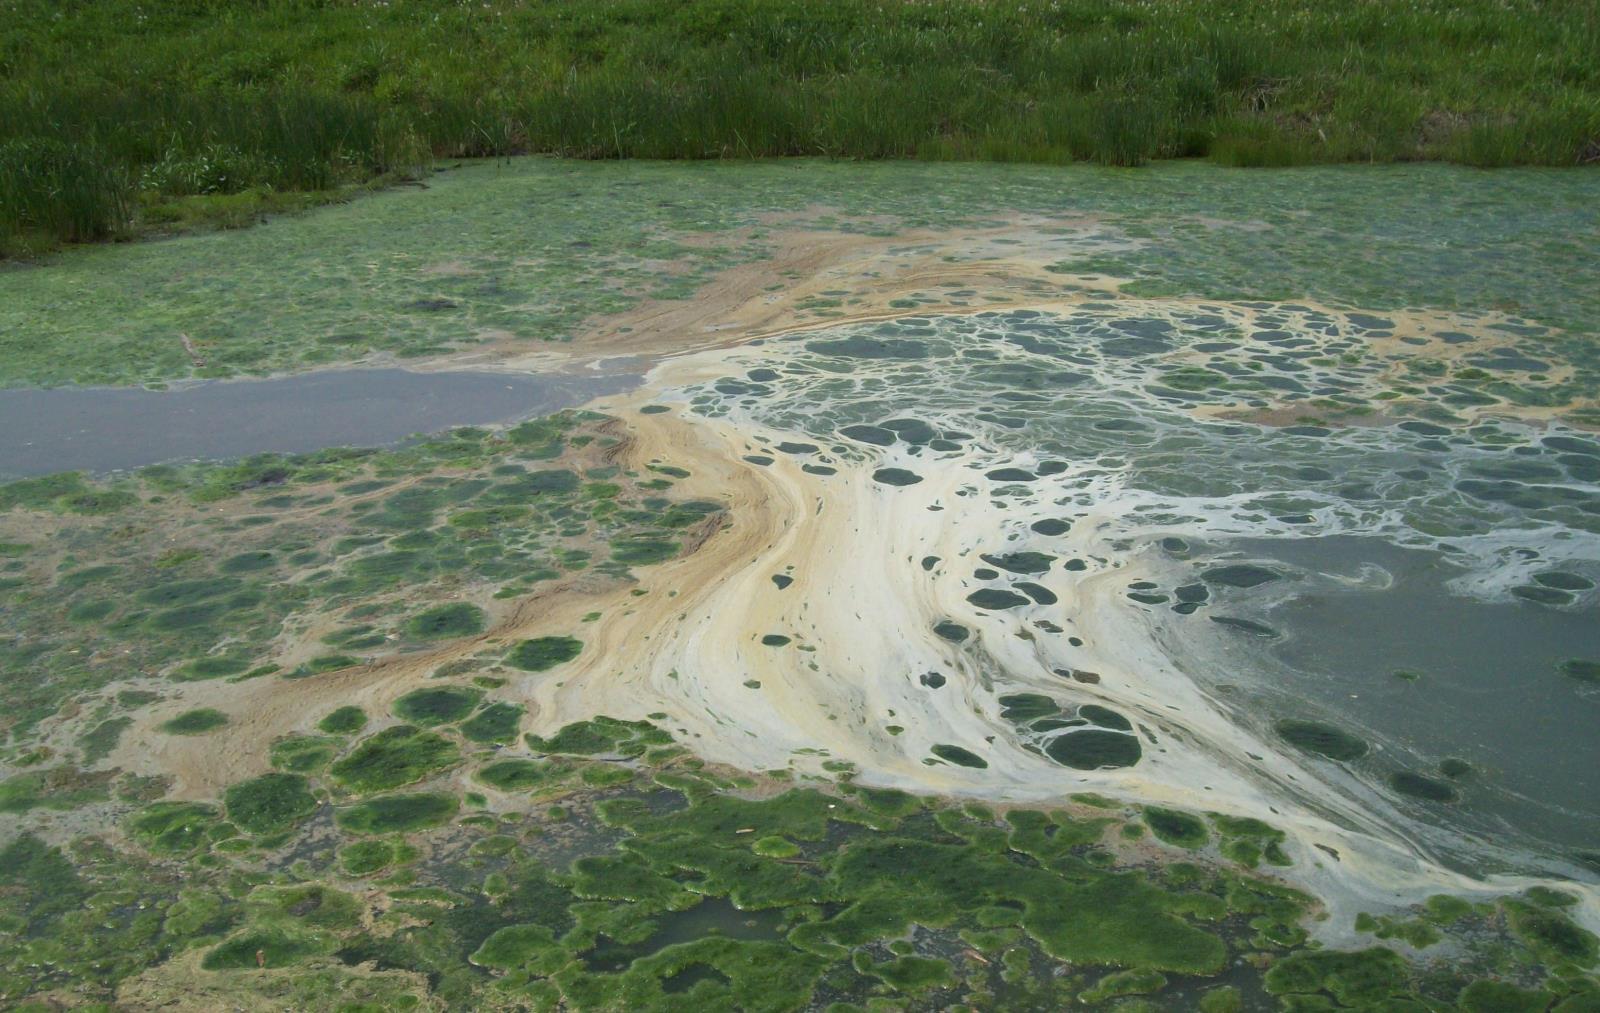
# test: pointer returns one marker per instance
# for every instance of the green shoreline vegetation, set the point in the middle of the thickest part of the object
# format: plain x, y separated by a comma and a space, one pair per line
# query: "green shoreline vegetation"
118, 117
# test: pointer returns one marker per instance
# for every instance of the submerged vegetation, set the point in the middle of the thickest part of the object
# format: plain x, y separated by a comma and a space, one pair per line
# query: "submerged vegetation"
115, 115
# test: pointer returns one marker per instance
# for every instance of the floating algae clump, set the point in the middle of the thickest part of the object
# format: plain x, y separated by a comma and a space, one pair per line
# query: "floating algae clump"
1421, 786
1581, 670
458, 619
1356, 979
1093, 748
957, 755
1322, 739
173, 827
266, 947
543, 653
495, 723
195, 722
997, 598
345, 720
521, 775
270, 803
437, 705
391, 814
1179, 828
303, 754
602, 734
896, 476
394, 757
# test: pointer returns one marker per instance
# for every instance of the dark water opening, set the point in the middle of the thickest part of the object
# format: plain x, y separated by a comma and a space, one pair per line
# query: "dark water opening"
101, 429
714, 916
1443, 676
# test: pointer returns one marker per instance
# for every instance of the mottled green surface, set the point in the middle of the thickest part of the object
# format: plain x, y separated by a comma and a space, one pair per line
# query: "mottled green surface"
703, 886
533, 247
196, 572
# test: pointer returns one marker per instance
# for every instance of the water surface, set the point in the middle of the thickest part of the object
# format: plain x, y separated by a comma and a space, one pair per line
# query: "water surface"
102, 429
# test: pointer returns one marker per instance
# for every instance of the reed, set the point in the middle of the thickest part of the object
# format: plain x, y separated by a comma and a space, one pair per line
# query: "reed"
113, 106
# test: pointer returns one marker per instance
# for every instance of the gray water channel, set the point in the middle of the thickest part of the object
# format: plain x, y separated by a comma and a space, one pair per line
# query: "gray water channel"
102, 429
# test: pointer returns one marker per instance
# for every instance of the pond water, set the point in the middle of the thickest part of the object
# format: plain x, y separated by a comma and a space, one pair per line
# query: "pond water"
103, 429
1373, 635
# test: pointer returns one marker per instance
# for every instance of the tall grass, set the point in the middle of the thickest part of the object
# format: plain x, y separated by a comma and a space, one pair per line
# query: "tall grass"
62, 190
190, 99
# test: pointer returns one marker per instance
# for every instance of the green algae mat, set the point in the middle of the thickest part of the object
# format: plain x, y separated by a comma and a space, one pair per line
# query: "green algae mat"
531, 249
731, 892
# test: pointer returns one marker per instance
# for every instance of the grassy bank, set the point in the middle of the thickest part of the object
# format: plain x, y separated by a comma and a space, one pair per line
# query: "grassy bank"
115, 114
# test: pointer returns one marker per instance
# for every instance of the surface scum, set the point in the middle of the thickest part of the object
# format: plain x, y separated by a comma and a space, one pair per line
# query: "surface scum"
972, 521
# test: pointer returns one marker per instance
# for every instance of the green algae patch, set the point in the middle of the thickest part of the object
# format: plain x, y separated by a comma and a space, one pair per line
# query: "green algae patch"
269, 804
543, 653
200, 721
516, 946
1489, 996
959, 756
364, 858
1240, 575
1581, 670
437, 705
201, 588
993, 598
268, 947
522, 775
458, 619
896, 476
1021, 708
1119, 983
392, 814
345, 720
1029, 563
99, 742
393, 757
1226, 999
861, 896
303, 754
214, 667
1321, 739
1105, 717
1421, 786
1248, 841
1111, 919
248, 562
908, 974
643, 550
1552, 935
1177, 828
601, 734
497, 723
1094, 749
173, 827
775, 847
1361, 978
